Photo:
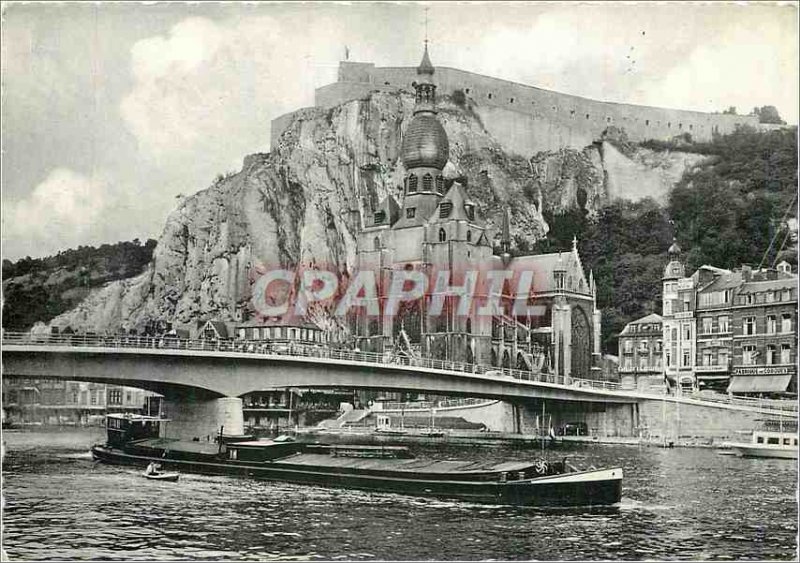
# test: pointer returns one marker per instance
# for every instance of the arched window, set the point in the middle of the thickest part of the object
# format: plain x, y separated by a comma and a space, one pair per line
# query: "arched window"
427, 183
376, 243
442, 235
469, 236
440, 184
412, 184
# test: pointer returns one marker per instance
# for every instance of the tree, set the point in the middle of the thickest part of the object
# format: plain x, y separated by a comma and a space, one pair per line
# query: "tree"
768, 114
730, 111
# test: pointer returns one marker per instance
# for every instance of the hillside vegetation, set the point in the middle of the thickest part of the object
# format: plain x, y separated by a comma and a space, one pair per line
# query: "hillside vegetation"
38, 289
728, 211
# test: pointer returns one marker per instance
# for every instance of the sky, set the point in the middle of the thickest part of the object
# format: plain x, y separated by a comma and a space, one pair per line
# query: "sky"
112, 111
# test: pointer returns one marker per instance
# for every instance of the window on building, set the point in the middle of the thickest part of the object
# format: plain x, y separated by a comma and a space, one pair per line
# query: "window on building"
669, 359
643, 363
445, 208
770, 297
410, 212
442, 235
708, 358
748, 299
749, 325
470, 211
687, 359
412, 184
748, 355
722, 357
707, 325
376, 243
380, 217
674, 334
771, 354
659, 346
647, 122
644, 345
628, 346
440, 184
787, 294
427, 183
241, 333
786, 322
686, 303
772, 324
786, 354
723, 324
668, 307
687, 332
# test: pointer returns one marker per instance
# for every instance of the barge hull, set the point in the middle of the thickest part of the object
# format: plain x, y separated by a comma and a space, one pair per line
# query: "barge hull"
588, 488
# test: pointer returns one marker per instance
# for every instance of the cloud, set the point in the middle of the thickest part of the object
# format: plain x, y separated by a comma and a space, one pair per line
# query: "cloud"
67, 209
211, 88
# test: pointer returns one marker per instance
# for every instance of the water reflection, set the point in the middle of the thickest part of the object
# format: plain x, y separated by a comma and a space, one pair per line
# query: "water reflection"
677, 504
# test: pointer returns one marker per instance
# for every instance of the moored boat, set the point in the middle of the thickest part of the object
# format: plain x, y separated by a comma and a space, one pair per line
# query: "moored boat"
378, 468
766, 443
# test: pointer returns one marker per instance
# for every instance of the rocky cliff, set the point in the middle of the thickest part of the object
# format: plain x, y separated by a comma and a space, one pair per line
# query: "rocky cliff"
303, 203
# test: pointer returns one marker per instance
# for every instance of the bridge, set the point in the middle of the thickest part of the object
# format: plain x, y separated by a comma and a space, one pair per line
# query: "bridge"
209, 373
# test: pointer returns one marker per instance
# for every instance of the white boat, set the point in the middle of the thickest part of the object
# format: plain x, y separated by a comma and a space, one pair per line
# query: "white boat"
767, 443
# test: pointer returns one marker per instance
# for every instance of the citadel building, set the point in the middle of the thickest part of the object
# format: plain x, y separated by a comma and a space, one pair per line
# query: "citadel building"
437, 227
526, 119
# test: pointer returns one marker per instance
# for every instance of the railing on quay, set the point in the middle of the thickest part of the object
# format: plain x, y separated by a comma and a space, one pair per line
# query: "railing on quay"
428, 405
295, 350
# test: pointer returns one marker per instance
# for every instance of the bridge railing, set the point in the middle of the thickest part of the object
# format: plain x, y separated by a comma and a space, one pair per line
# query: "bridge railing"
294, 350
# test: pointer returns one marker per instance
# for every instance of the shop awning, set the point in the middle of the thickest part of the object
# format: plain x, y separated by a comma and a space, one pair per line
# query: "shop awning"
759, 383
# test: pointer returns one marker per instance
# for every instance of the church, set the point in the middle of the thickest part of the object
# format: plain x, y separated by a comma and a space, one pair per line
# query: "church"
437, 227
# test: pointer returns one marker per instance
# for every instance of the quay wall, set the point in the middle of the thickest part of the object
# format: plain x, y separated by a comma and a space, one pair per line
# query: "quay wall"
524, 118
649, 419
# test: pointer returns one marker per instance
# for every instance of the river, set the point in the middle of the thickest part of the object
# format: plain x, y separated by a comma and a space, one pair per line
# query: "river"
678, 503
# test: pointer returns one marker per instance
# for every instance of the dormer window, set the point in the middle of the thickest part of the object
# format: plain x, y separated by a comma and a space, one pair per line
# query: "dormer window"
380, 217
559, 277
445, 209
427, 183
440, 184
412, 184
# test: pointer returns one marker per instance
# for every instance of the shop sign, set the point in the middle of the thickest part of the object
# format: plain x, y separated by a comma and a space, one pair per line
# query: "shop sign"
764, 370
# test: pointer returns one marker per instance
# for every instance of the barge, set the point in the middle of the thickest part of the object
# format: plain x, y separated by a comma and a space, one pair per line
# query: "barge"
134, 440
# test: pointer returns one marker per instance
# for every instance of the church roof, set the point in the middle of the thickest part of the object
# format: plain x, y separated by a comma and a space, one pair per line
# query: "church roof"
457, 196
544, 266
425, 143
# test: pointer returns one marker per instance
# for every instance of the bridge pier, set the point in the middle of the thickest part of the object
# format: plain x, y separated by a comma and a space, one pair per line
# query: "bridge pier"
203, 419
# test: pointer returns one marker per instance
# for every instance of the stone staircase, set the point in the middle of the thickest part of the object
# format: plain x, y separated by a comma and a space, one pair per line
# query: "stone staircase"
351, 416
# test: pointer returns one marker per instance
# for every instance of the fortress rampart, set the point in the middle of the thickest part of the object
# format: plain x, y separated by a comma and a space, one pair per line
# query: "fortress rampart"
524, 118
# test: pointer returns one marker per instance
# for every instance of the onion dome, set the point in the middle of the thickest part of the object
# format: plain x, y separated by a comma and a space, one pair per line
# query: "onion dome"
425, 143
425, 67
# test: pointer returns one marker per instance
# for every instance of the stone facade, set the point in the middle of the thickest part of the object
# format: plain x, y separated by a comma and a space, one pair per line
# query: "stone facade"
641, 353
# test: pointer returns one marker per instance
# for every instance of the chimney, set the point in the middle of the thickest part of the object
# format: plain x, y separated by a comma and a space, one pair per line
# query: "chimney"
747, 272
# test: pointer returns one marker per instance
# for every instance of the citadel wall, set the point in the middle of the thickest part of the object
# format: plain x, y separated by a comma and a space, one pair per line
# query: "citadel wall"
524, 118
